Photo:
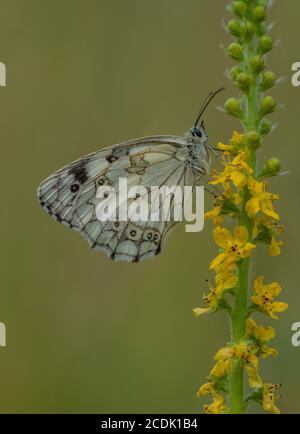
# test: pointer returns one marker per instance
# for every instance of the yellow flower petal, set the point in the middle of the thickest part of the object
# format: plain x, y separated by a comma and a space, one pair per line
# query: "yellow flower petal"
239, 179
254, 379
274, 247
200, 311
247, 250
205, 389
279, 306
240, 235
230, 283
213, 213
267, 352
258, 283
238, 138
252, 207
222, 237
267, 208
225, 148
217, 261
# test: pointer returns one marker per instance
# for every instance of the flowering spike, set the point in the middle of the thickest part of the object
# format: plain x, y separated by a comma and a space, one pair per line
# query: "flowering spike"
245, 197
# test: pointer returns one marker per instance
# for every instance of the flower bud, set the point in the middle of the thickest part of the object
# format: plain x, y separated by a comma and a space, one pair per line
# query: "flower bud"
265, 127
233, 107
259, 13
257, 64
240, 8
234, 28
253, 140
244, 81
274, 165
248, 28
268, 80
235, 51
270, 168
235, 71
265, 43
267, 105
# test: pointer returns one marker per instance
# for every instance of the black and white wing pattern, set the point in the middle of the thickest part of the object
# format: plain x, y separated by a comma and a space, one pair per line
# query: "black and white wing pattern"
70, 194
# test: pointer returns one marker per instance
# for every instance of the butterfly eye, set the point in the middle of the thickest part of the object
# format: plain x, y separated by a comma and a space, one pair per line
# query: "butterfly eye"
155, 238
74, 188
149, 236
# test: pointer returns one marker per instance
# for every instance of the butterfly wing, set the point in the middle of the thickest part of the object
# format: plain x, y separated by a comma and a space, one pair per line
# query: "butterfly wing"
69, 195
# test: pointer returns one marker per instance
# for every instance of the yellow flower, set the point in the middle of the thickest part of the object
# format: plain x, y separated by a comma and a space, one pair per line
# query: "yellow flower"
217, 407
237, 139
215, 294
225, 356
269, 397
215, 212
261, 200
206, 389
225, 271
254, 378
227, 204
224, 362
267, 352
236, 172
260, 333
264, 297
236, 142
266, 224
246, 352
234, 246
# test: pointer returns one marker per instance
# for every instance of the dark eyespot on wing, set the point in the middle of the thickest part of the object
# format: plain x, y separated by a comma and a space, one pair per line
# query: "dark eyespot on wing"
111, 158
117, 153
79, 172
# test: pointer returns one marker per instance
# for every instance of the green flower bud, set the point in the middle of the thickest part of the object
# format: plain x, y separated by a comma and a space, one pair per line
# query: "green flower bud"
235, 71
257, 64
268, 80
274, 165
248, 29
253, 140
265, 43
259, 13
234, 28
235, 51
267, 105
240, 8
233, 107
244, 81
265, 127
270, 168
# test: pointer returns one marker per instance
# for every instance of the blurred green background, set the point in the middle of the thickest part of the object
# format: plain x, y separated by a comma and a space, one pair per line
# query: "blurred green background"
85, 334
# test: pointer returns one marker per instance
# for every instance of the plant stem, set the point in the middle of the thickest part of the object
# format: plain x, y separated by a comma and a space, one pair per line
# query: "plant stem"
240, 310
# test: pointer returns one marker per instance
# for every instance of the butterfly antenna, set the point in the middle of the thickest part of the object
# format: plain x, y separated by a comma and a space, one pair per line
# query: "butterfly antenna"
206, 102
